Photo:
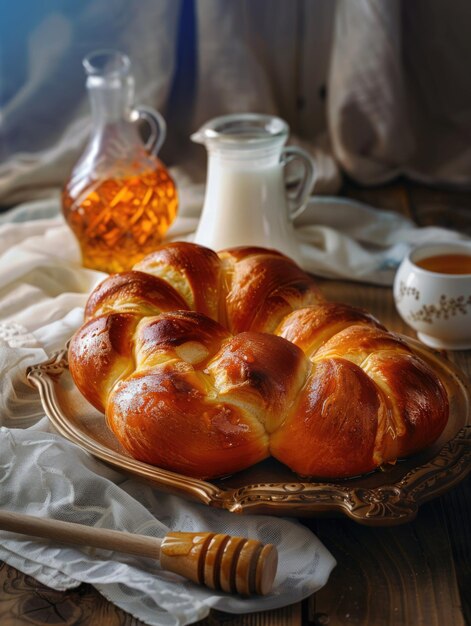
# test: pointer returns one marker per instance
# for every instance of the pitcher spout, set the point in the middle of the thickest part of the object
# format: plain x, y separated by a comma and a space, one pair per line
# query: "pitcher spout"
204, 134
198, 137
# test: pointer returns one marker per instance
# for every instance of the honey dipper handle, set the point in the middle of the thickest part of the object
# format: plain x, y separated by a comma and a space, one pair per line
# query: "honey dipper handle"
233, 564
69, 532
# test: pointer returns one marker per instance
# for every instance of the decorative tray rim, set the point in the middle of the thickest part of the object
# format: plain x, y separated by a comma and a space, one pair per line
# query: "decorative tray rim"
381, 505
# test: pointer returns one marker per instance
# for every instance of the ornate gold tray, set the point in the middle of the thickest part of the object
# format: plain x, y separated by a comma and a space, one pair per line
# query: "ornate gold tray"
388, 496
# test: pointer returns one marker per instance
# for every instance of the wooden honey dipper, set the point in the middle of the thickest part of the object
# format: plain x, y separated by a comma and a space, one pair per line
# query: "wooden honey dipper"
232, 564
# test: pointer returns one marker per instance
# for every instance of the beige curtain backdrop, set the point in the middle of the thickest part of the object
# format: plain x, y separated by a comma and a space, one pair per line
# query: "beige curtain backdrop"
372, 88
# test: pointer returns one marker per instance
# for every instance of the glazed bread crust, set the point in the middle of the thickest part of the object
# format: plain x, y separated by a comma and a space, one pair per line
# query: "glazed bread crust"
206, 364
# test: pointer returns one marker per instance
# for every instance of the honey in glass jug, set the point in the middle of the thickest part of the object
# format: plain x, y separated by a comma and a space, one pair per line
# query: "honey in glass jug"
120, 199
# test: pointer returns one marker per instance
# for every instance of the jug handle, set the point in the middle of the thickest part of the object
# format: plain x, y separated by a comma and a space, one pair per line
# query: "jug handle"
157, 125
297, 199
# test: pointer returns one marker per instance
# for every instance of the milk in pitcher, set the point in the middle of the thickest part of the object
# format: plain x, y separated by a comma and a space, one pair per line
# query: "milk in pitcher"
245, 201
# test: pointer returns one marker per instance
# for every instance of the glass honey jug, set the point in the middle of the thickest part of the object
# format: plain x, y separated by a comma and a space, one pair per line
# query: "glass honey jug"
120, 199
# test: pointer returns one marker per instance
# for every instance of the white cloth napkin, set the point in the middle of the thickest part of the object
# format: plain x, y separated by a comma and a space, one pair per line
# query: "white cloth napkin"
43, 289
342, 238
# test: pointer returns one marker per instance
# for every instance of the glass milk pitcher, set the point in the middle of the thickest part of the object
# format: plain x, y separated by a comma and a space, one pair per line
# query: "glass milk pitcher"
120, 199
246, 202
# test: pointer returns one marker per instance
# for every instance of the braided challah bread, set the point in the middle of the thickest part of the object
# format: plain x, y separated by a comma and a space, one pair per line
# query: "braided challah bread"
207, 363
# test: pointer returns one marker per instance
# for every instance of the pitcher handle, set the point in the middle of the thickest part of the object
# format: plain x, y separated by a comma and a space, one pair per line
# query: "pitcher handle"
157, 126
297, 200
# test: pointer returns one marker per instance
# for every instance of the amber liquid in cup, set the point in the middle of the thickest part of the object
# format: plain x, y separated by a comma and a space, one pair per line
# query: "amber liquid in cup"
447, 263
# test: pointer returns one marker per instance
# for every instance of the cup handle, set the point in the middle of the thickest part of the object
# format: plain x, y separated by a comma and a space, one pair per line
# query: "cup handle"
157, 126
297, 199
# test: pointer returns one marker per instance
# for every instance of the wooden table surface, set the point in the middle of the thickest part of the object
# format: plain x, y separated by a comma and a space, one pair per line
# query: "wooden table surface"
417, 574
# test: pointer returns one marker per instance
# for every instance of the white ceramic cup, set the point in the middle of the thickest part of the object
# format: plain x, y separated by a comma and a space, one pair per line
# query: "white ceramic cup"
436, 305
